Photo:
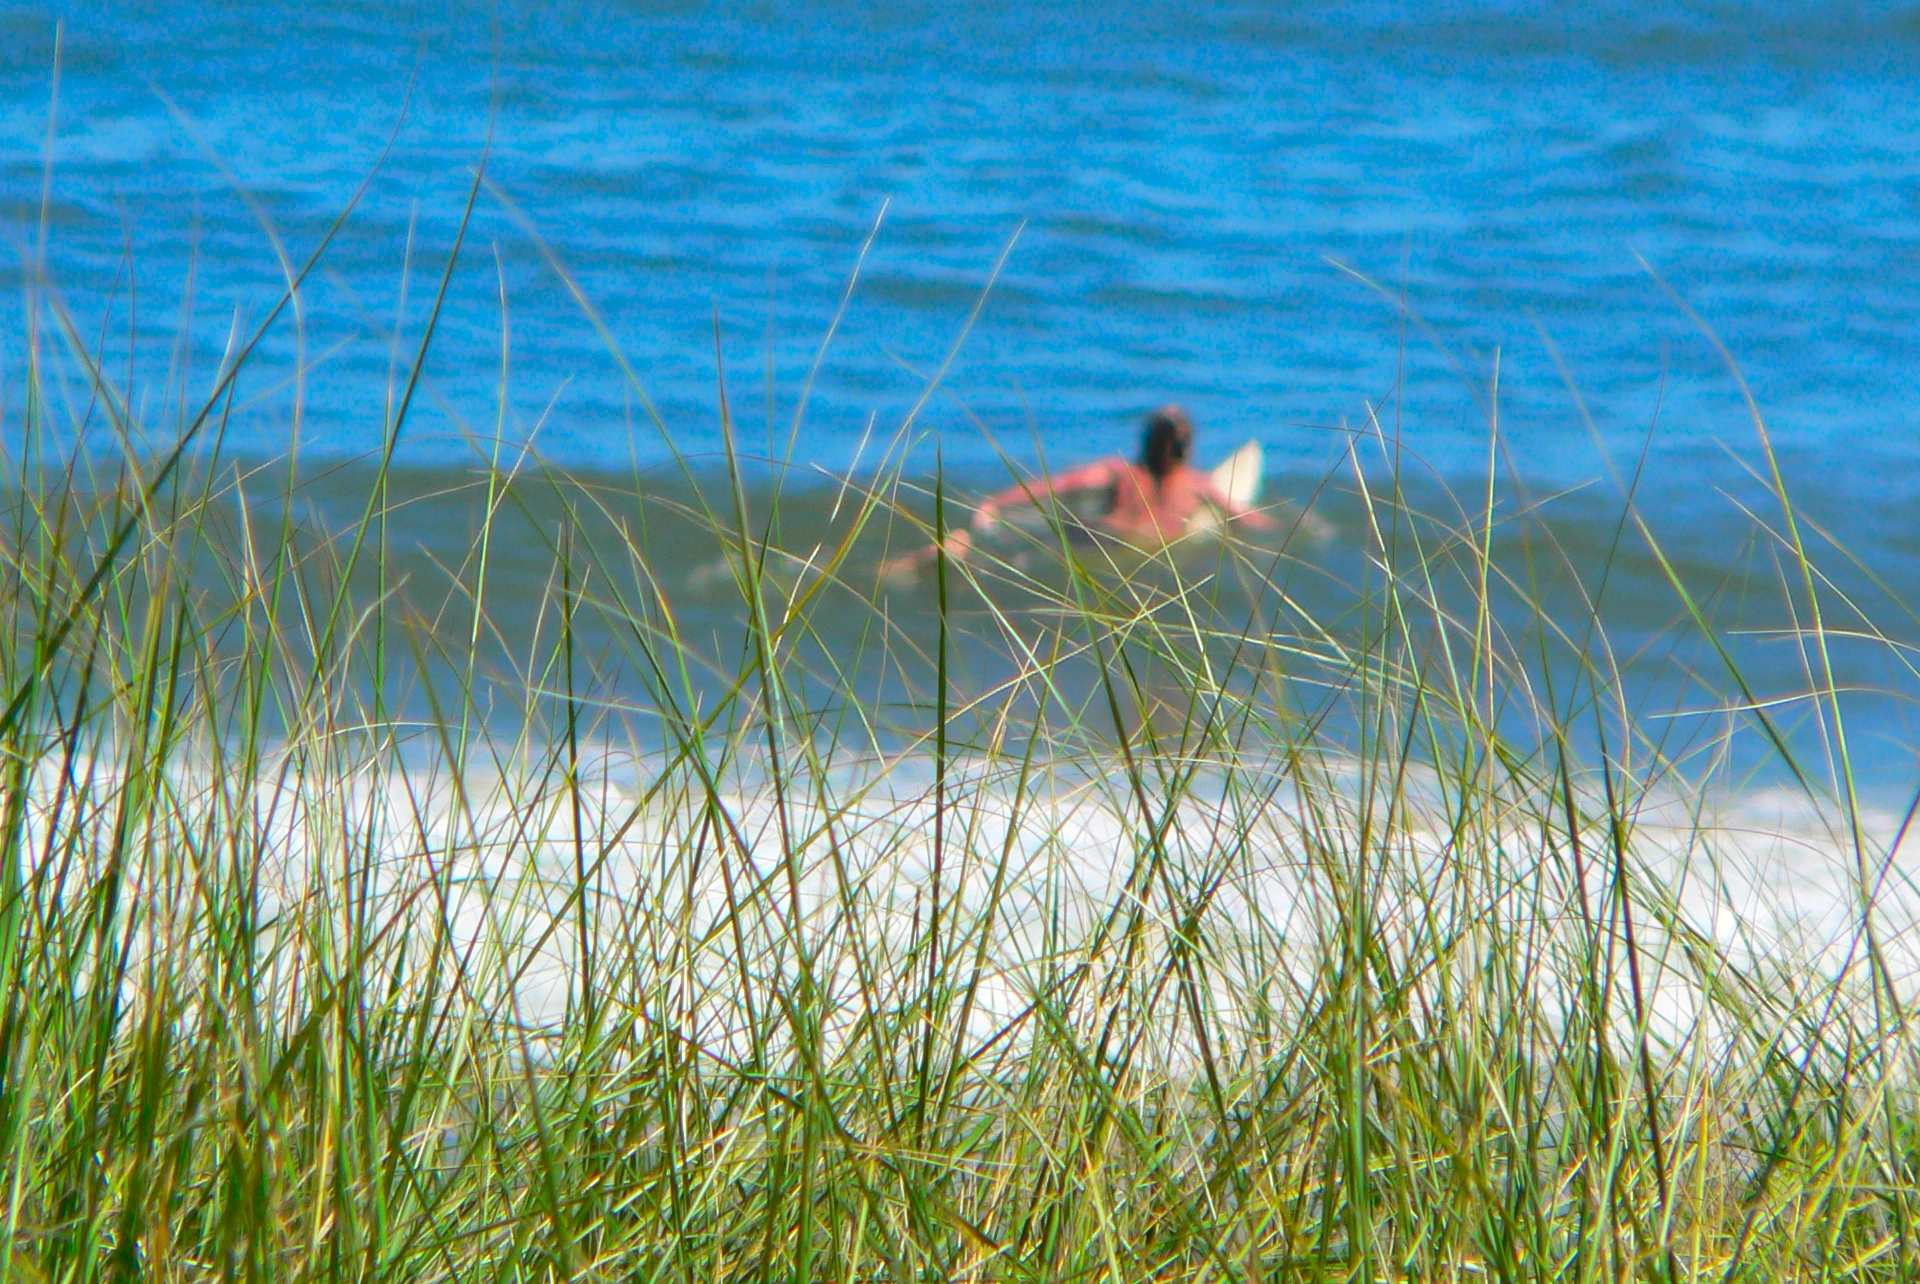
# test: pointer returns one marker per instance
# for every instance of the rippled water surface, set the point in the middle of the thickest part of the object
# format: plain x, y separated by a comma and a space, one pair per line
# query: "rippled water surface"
1220, 205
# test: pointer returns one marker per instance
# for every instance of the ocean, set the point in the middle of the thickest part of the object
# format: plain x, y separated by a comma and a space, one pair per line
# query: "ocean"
1350, 233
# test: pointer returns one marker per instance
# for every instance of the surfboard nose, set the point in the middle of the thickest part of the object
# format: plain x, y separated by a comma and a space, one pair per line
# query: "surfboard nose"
1238, 476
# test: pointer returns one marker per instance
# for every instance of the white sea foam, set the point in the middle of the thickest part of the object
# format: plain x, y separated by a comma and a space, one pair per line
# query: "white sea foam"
1064, 892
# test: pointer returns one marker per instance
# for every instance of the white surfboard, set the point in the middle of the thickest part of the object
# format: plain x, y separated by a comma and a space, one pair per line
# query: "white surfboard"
1238, 478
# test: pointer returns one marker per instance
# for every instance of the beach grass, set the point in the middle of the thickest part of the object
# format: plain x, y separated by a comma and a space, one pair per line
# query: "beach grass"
1210, 939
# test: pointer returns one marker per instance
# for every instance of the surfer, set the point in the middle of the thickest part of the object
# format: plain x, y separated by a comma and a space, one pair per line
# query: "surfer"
1148, 502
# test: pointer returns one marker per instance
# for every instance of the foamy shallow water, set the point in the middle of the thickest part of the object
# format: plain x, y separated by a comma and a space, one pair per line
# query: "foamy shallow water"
1060, 892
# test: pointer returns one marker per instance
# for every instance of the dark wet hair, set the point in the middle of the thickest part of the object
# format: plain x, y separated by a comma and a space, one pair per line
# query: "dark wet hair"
1167, 442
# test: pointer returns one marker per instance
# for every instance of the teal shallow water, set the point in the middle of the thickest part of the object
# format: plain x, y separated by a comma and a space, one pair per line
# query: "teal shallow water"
652, 562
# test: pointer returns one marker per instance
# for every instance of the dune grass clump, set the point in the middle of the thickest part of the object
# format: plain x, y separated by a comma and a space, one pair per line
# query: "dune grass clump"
361, 918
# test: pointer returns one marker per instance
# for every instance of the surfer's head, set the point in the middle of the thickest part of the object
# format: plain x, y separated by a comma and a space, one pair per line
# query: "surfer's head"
1168, 441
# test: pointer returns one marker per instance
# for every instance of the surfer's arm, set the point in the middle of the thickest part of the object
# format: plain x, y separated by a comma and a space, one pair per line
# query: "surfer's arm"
957, 544
1098, 475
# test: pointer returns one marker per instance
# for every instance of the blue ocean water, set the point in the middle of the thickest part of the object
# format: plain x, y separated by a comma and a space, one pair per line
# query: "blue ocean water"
1185, 176
1287, 220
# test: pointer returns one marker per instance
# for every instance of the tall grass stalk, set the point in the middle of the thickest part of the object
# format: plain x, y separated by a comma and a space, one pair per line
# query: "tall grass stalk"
1198, 935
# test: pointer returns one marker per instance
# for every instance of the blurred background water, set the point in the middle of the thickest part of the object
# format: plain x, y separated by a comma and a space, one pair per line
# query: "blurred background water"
1221, 205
